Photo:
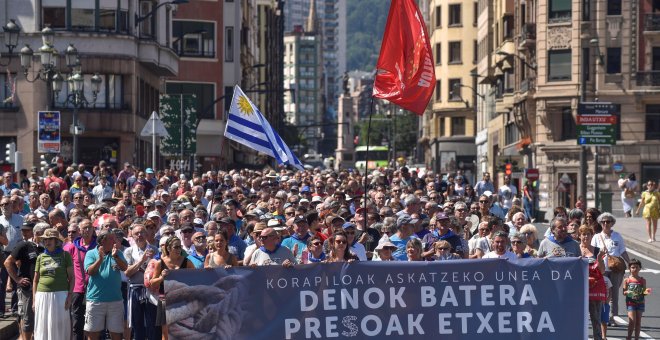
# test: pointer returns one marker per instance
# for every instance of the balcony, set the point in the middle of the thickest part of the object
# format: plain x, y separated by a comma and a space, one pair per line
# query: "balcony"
648, 78
527, 36
652, 22
161, 60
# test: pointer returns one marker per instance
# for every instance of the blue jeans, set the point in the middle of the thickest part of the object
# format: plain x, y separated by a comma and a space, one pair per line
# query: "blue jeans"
529, 209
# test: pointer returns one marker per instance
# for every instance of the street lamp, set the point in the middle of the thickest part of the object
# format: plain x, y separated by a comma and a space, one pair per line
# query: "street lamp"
49, 72
12, 32
523, 61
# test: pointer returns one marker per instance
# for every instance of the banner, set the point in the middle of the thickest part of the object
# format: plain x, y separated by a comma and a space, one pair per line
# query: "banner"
405, 72
461, 299
49, 132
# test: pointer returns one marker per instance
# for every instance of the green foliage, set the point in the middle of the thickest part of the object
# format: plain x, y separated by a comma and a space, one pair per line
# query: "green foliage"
366, 22
402, 127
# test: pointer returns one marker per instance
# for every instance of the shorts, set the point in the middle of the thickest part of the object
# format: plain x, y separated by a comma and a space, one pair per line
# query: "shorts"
104, 315
25, 311
605, 313
632, 307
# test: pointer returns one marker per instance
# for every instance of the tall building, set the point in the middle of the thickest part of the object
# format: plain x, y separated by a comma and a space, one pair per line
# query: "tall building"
449, 134
132, 58
331, 30
198, 35
303, 74
544, 62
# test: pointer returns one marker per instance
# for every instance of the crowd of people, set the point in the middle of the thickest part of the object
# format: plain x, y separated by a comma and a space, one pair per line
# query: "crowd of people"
89, 251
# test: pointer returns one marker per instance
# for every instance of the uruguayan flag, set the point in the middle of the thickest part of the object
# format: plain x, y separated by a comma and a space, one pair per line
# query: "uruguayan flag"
246, 125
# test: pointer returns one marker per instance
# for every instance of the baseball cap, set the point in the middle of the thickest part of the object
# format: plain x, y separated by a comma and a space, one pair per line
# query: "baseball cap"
299, 219
187, 227
149, 171
441, 216
225, 220
153, 214
348, 225
405, 219
27, 225
317, 199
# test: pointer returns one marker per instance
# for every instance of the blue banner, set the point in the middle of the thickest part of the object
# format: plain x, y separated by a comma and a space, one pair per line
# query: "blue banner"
461, 299
48, 140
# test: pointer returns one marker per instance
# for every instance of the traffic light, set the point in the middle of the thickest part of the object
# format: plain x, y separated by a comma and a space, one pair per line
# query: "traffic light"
507, 169
10, 150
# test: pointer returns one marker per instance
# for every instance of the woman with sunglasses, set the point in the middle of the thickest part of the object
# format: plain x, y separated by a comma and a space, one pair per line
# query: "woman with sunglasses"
221, 257
172, 258
339, 248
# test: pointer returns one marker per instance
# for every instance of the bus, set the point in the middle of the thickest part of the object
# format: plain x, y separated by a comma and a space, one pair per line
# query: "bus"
378, 157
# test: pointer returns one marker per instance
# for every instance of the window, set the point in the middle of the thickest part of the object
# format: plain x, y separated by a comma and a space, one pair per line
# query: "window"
6, 91
455, 15
458, 126
442, 127
82, 19
205, 96
475, 10
229, 44
559, 65
455, 52
652, 122
110, 95
438, 53
586, 62
454, 90
107, 20
560, 11
614, 60
438, 16
613, 7
54, 17
568, 129
229, 93
438, 91
511, 134
475, 51
194, 38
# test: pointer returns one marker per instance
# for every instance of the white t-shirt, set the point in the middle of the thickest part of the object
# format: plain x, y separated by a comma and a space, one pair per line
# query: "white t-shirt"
262, 258
506, 194
507, 255
614, 244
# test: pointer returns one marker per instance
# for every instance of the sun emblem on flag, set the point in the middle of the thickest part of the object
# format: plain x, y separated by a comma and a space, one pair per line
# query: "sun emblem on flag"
244, 105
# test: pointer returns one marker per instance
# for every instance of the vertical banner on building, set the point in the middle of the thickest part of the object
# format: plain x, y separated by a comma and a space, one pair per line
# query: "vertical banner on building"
49, 132
463, 299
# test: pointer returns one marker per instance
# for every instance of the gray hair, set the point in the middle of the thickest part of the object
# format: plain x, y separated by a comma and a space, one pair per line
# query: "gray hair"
557, 219
576, 214
519, 236
410, 199
40, 227
460, 205
101, 235
606, 215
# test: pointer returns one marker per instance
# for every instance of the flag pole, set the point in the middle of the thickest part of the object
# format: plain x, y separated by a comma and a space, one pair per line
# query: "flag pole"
366, 162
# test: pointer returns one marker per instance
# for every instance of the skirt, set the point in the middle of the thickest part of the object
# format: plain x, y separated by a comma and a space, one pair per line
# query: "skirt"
49, 311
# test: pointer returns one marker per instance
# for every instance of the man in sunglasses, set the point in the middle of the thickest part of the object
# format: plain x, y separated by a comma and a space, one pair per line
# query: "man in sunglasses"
271, 252
297, 243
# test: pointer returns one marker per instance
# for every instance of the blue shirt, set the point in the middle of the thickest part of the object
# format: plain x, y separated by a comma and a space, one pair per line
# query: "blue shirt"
237, 247
196, 258
400, 252
105, 286
289, 242
7, 190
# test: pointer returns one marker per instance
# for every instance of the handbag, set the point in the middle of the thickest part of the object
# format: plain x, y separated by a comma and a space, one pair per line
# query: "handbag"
615, 264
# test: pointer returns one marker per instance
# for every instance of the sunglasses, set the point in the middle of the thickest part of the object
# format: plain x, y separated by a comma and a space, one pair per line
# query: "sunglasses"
607, 221
200, 238
168, 233
316, 243
516, 242
264, 237
484, 202
187, 232
340, 242
444, 248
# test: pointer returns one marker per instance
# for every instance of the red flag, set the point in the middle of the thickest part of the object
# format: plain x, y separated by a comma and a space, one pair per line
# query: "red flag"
405, 73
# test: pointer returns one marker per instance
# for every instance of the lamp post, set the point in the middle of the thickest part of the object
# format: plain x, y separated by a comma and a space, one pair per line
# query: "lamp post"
50, 73
12, 31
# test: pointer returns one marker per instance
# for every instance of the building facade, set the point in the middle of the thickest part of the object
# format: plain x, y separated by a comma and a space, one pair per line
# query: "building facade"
538, 62
132, 58
449, 132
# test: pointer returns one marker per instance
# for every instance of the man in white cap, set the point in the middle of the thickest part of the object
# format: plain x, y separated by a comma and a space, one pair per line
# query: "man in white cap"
271, 252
